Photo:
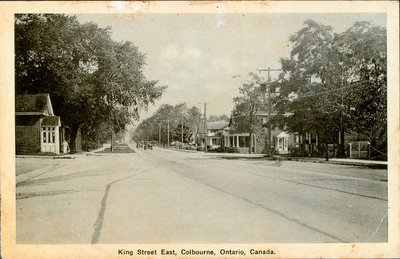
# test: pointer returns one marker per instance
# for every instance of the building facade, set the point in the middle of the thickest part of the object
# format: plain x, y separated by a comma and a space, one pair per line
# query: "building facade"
37, 129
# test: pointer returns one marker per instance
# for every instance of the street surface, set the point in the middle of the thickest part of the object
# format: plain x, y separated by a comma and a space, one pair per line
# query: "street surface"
166, 196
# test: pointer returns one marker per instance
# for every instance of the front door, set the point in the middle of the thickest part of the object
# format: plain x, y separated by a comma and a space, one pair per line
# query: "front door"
48, 140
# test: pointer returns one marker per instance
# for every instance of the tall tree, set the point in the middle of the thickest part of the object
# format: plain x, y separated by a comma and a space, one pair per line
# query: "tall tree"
363, 51
247, 104
328, 75
93, 81
222, 117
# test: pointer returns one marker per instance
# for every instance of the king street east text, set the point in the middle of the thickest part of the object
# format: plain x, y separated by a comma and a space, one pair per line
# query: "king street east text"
146, 252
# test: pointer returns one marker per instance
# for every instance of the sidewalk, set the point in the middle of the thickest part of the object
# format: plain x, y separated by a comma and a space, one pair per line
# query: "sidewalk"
65, 156
237, 155
339, 161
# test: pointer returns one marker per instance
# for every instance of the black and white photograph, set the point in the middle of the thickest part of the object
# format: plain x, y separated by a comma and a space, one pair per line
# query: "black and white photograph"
197, 128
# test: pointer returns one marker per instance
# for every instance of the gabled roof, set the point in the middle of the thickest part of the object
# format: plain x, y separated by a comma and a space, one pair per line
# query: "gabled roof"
213, 125
283, 134
33, 104
217, 124
51, 121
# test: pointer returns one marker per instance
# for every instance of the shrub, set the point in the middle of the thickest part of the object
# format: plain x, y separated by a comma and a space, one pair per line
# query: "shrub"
228, 150
269, 151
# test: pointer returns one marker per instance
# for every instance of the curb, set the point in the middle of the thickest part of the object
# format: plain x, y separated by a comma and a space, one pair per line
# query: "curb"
228, 156
179, 150
46, 157
321, 161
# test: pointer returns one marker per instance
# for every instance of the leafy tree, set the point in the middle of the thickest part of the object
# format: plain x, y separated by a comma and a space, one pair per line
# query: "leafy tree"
194, 119
329, 75
93, 81
309, 71
150, 128
222, 117
247, 104
363, 50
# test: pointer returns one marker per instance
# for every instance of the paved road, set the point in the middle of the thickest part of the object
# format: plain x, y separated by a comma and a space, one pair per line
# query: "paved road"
164, 196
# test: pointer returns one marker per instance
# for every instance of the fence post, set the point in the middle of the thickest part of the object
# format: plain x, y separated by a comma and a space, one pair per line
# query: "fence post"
359, 149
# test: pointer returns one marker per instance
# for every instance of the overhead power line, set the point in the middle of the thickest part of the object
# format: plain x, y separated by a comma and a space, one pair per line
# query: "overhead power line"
310, 94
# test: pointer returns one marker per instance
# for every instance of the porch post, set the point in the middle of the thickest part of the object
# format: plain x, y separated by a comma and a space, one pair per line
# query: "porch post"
237, 141
57, 139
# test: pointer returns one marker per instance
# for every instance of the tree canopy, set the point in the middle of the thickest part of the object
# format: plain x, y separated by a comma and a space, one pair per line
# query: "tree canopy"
336, 83
151, 128
222, 117
248, 103
95, 82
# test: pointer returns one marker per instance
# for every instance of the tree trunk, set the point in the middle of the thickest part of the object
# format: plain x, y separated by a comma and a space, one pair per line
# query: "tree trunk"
303, 144
251, 129
73, 140
326, 152
341, 148
373, 153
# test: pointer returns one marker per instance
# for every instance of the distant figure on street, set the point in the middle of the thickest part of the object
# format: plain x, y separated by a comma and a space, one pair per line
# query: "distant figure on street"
65, 147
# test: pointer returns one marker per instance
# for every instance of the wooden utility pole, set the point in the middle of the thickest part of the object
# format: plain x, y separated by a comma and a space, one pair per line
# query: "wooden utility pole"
342, 148
269, 139
198, 125
182, 131
205, 127
159, 134
168, 132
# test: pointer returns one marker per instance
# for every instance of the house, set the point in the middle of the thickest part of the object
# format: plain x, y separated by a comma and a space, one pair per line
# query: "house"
280, 140
37, 129
215, 131
240, 140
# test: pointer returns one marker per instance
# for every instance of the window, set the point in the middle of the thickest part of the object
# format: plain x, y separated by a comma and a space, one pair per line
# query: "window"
49, 134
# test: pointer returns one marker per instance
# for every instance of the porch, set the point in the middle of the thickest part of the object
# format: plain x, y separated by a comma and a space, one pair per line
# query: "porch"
242, 141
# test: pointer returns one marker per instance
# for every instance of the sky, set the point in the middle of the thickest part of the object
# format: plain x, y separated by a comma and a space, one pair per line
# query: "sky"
206, 57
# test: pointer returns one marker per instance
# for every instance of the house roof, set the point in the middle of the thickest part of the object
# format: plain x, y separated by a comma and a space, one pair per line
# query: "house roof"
34, 104
283, 134
26, 120
217, 124
213, 125
51, 121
